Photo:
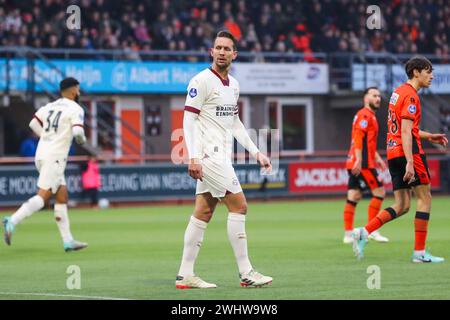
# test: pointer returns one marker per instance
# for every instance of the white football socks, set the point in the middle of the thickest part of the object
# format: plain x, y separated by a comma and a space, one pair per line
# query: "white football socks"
193, 238
62, 220
32, 205
238, 239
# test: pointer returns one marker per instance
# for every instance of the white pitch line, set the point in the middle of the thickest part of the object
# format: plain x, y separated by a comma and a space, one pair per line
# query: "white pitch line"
58, 295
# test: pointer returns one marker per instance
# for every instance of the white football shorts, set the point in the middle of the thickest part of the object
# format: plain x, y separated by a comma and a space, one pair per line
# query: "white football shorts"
218, 178
51, 173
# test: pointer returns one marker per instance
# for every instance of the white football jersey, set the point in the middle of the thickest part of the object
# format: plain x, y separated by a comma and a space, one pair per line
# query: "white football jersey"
215, 102
57, 119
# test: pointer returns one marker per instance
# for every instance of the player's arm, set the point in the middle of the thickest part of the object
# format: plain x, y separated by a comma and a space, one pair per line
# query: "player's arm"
191, 138
241, 135
358, 143
438, 138
77, 120
195, 99
36, 125
407, 126
78, 134
379, 160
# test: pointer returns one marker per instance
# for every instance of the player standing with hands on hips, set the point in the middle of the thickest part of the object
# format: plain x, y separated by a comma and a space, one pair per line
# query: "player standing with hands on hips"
407, 161
56, 124
211, 122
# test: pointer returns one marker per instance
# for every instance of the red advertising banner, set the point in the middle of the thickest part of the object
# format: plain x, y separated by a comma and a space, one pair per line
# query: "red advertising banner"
332, 176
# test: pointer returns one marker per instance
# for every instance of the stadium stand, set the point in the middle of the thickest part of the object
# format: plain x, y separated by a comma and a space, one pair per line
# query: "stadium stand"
284, 26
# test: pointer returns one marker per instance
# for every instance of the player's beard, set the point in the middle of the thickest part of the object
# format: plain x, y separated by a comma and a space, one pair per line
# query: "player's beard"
77, 98
224, 66
374, 107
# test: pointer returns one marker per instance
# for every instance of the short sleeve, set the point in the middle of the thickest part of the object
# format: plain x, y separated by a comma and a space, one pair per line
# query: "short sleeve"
409, 108
77, 117
361, 123
236, 108
39, 116
196, 95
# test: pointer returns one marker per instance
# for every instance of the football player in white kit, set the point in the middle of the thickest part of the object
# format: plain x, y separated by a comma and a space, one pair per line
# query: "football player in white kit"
56, 123
210, 124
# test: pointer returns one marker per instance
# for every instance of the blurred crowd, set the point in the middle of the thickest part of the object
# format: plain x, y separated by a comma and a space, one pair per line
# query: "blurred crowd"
408, 26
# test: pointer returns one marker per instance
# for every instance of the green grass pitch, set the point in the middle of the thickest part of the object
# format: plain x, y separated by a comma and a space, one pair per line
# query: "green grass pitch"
134, 253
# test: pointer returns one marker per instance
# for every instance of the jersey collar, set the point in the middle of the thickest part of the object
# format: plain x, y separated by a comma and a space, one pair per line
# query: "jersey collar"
370, 109
225, 82
408, 84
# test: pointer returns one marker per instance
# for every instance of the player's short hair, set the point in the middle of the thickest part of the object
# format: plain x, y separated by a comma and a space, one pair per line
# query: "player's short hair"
368, 89
68, 83
418, 63
226, 34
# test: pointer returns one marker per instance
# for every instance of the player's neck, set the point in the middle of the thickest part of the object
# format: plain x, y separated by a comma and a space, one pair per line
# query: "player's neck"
414, 83
223, 73
370, 109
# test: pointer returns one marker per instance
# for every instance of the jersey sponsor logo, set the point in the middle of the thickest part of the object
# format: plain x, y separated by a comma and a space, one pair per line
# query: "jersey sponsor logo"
225, 111
412, 109
193, 92
394, 98
363, 124
391, 143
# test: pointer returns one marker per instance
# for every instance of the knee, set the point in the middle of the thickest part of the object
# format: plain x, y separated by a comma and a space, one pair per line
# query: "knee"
242, 208
428, 197
354, 196
405, 209
204, 215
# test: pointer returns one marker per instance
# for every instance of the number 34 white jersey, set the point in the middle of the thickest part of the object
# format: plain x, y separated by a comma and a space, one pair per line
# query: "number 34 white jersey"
57, 119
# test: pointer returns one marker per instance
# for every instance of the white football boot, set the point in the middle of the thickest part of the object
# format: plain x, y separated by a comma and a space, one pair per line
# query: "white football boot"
192, 282
254, 279
376, 236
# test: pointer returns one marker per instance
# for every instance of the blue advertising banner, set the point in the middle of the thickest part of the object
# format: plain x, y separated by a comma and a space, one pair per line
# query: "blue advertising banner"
136, 183
380, 75
131, 77
105, 76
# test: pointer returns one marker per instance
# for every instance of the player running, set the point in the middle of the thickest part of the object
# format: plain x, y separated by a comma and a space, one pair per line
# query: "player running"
362, 160
407, 161
211, 121
56, 124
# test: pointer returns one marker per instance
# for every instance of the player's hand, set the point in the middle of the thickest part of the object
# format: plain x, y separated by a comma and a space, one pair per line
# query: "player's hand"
409, 173
439, 138
381, 164
356, 170
195, 169
264, 161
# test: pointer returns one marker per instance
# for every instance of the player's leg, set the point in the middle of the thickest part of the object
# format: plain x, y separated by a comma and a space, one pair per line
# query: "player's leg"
423, 194
374, 208
370, 177
47, 182
237, 210
31, 206
63, 223
353, 197
400, 207
205, 205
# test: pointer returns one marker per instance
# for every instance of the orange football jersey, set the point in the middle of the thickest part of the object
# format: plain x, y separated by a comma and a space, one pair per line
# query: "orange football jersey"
404, 104
364, 137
